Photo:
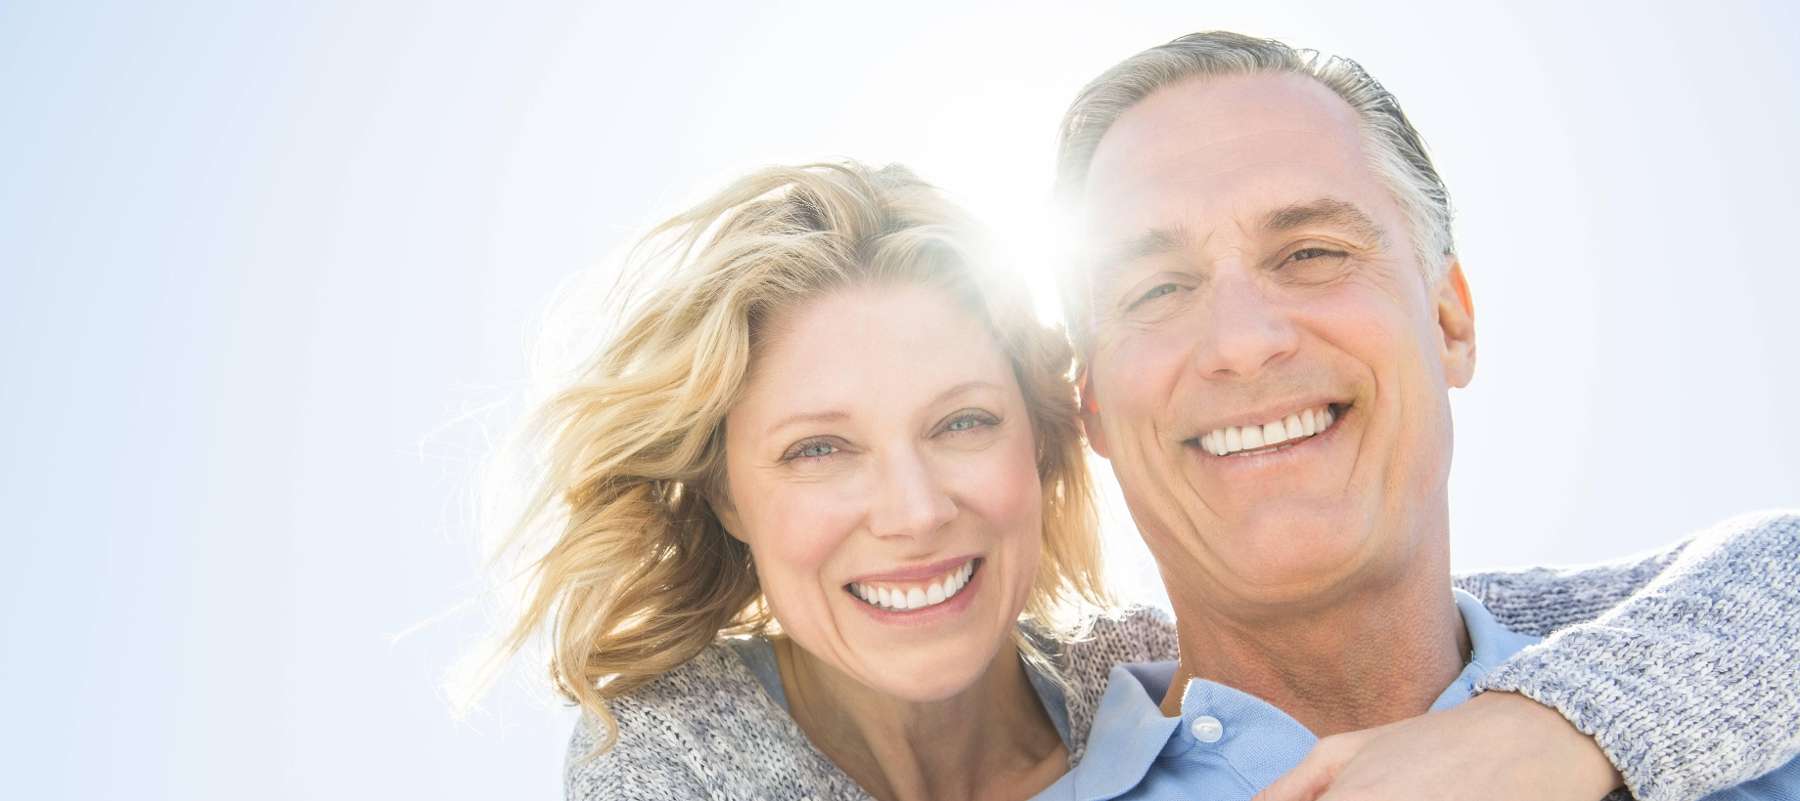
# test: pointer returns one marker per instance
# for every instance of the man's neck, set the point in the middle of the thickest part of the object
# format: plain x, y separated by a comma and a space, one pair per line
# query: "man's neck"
1376, 656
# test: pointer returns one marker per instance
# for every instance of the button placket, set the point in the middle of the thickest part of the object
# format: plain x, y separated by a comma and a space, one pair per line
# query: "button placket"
1207, 729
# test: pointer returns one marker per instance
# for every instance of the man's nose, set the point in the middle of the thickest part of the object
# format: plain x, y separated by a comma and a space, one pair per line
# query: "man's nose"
910, 501
1240, 329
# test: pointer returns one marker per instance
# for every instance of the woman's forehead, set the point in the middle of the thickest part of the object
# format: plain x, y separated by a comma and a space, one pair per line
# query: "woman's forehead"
873, 348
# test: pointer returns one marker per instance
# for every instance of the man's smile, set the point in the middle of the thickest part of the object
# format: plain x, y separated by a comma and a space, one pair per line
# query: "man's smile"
1280, 431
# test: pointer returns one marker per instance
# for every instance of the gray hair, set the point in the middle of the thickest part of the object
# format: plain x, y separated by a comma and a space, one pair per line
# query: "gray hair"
1397, 153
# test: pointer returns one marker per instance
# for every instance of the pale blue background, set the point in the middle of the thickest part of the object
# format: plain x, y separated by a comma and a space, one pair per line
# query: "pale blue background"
267, 274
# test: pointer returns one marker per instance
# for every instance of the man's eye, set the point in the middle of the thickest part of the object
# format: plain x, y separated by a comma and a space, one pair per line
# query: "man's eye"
1156, 292
1305, 254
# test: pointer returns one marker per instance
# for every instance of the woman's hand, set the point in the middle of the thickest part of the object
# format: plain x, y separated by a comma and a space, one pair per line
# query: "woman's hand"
1495, 746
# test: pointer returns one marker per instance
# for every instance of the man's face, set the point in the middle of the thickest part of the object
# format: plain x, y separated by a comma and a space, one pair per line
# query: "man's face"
1254, 281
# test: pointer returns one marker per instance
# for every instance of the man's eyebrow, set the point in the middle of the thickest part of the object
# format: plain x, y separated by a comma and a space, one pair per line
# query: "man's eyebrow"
1326, 211
1153, 242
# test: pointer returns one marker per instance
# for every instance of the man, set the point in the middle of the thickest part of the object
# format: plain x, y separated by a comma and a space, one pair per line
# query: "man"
1270, 313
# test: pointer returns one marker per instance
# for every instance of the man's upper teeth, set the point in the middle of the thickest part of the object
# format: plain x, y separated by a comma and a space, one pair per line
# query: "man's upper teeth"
1231, 439
908, 595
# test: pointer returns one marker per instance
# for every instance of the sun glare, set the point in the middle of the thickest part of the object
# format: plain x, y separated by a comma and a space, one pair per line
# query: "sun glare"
995, 157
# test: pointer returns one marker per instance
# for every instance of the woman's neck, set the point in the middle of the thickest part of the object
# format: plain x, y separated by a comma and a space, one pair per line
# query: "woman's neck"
993, 740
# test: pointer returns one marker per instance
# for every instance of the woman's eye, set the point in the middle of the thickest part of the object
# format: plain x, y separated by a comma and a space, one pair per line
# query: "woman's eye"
968, 422
813, 450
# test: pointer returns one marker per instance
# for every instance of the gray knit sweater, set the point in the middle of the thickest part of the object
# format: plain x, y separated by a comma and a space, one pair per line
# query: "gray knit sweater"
1683, 665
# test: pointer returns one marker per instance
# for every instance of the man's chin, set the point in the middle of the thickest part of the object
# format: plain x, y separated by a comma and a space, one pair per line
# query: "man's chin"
1287, 562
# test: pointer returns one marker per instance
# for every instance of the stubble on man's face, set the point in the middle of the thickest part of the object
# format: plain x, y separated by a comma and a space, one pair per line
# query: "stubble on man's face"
1253, 279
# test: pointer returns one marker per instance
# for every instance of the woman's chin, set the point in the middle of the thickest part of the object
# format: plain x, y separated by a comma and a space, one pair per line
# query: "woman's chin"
924, 678
943, 685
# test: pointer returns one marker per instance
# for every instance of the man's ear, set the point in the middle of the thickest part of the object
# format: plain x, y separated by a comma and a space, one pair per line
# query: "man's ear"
1090, 415
1456, 319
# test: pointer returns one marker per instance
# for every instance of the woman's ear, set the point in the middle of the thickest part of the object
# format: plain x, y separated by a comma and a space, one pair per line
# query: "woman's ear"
719, 500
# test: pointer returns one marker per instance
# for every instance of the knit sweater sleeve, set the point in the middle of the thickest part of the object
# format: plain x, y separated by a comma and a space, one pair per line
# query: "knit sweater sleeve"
1684, 665
636, 767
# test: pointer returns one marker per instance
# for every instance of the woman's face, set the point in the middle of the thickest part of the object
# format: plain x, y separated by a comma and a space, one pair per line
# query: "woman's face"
882, 469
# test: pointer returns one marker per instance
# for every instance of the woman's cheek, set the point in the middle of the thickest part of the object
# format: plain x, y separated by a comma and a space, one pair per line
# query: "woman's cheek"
807, 526
1006, 491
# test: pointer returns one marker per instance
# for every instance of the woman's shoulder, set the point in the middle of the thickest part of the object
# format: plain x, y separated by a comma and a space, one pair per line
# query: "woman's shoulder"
1130, 634
659, 727
1135, 633
705, 729
715, 681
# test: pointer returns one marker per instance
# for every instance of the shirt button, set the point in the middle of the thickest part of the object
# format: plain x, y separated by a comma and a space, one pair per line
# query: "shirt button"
1207, 729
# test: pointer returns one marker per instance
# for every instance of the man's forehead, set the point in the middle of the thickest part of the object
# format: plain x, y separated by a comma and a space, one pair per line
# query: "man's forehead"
1213, 150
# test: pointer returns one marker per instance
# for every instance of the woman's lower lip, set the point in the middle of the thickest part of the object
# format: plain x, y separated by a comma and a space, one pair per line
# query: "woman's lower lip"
929, 614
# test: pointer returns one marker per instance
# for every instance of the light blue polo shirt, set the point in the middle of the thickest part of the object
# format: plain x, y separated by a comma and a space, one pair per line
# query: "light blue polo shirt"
1227, 745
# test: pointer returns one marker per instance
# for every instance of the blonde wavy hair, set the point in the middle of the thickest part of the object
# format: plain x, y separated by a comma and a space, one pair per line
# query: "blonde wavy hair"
638, 575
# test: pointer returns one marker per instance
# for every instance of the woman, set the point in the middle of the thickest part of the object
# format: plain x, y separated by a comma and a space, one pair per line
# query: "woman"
826, 426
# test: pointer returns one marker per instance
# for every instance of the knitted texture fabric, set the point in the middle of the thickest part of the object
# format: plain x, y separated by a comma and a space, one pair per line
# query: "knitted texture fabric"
1682, 665
1690, 685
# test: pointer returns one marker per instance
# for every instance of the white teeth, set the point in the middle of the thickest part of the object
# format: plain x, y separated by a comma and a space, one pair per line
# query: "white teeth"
932, 594
1274, 433
1252, 437
1231, 439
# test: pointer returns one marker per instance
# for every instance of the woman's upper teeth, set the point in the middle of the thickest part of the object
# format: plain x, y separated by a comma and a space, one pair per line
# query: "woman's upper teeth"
914, 595
1231, 439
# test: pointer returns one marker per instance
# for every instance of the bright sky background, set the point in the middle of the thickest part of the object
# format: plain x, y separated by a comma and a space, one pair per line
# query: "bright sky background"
268, 272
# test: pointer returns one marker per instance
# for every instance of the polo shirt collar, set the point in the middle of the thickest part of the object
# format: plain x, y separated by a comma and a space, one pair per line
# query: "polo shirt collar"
1129, 732
1258, 740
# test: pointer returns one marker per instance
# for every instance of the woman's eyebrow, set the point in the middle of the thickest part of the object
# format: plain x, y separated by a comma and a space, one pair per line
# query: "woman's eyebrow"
830, 416
964, 387
837, 415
